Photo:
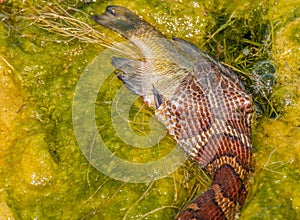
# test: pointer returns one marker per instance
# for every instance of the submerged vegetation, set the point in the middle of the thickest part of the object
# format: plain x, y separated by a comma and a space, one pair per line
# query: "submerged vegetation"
45, 47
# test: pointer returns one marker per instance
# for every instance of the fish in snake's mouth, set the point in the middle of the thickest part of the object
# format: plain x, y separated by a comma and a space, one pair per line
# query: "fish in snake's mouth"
202, 103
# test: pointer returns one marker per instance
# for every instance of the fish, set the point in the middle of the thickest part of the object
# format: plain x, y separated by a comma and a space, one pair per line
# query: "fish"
202, 103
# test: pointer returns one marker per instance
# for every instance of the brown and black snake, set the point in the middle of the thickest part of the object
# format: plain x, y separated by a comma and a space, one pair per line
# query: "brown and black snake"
202, 103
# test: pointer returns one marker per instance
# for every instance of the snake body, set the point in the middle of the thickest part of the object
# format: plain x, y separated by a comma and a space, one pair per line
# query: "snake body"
202, 103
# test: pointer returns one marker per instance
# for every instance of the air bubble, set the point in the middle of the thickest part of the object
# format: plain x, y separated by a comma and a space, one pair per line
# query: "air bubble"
263, 67
264, 78
269, 80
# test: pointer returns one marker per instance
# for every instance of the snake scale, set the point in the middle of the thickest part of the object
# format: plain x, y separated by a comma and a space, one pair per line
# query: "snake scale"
202, 103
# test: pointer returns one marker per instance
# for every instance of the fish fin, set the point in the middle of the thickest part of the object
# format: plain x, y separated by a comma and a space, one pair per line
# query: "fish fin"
125, 22
158, 98
195, 53
187, 47
130, 73
192, 50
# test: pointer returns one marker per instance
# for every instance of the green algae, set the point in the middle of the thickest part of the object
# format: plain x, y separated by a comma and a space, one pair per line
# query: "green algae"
45, 175
275, 194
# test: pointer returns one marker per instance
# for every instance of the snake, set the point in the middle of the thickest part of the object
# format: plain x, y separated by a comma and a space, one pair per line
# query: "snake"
202, 103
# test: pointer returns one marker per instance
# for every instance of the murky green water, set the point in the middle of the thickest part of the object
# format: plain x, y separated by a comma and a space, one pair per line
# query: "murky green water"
44, 174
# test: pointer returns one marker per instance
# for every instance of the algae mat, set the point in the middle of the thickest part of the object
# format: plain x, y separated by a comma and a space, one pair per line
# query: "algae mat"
45, 47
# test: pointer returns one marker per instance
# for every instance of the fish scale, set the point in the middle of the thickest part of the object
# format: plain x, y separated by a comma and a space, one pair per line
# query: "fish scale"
202, 103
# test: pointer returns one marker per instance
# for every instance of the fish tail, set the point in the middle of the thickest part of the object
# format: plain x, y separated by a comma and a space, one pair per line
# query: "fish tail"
126, 23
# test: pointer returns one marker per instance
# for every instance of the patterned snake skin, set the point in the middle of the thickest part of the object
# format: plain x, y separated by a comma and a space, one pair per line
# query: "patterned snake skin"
202, 104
